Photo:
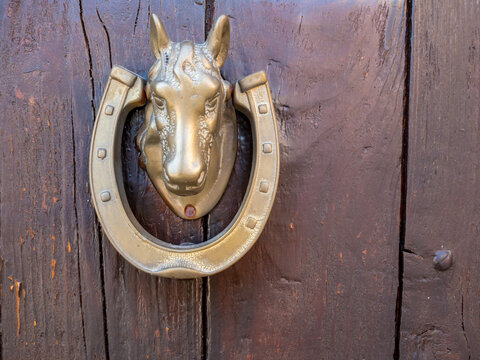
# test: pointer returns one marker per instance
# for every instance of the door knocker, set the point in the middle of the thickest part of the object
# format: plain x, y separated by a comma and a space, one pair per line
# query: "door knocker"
187, 145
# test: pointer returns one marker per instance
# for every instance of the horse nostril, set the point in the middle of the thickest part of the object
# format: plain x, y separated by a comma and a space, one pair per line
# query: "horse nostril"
200, 178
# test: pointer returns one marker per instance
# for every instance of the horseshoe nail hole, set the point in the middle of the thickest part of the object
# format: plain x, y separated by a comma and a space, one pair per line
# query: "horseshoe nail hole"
190, 211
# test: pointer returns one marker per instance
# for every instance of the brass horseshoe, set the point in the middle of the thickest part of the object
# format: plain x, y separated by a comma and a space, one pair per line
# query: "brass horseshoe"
125, 91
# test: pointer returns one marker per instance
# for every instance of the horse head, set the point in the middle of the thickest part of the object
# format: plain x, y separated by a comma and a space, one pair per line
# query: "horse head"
188, 111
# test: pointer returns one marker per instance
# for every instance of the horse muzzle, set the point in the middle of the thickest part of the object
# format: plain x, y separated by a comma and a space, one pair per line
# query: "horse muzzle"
184, 180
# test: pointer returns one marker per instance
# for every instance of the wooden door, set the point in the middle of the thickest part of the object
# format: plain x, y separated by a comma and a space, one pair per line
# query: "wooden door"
378, 109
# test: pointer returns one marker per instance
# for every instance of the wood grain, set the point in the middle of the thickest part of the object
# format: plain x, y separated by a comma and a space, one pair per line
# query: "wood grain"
147, 317
321, 281
440, 317
51, 296
56, 59
119, 34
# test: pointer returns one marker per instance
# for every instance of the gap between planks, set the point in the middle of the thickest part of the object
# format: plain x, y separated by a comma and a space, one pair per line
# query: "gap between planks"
404, 174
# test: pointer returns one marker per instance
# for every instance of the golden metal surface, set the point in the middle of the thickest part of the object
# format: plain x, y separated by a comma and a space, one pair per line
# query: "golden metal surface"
123, 92
252, 81
189, 138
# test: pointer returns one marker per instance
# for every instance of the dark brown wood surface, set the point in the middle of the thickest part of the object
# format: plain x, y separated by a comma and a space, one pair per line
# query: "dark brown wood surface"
146, 317
62, 284
441, 310
321, 281
51, 289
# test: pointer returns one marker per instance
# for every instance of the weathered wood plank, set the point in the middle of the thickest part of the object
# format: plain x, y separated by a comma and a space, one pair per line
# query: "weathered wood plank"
321, 281
51, 295
119, 34
147, 317
440, 309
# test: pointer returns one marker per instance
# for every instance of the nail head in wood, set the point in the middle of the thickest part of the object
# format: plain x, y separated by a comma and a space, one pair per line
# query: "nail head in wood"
443, 260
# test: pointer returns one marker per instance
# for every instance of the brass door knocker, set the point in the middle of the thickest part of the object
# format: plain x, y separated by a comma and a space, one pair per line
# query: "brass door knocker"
188, 144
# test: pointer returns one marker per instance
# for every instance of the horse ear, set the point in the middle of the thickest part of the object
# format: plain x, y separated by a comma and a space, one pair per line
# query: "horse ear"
158, 36
218, 40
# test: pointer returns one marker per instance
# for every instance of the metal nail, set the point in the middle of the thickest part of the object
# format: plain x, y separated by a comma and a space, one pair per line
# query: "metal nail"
443, 260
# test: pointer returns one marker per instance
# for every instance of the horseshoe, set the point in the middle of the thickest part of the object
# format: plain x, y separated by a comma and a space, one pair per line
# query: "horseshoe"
125, 91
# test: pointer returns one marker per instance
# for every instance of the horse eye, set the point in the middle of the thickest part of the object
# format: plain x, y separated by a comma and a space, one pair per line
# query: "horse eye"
211, 103
159, 101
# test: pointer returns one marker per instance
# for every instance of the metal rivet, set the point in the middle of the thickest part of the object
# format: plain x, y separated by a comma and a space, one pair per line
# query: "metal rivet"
190, 211
262, 109
109, 109
267, 148
105, 196
251, 222
101, 153
443, 260
264, 185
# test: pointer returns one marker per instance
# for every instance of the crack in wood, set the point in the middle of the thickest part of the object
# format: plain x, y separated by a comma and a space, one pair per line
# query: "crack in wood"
108, 37
90, 66
136, 19
404, 176
74, 189
96, 224
465, 334
205, 317
209, 14
98, 234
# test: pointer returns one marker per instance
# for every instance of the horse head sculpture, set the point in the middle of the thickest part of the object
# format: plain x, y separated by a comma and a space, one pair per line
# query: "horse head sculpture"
188, 144
188, 140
